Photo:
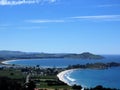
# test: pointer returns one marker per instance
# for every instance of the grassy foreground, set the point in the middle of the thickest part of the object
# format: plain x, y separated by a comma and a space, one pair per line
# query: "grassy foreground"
50, 83
45, 82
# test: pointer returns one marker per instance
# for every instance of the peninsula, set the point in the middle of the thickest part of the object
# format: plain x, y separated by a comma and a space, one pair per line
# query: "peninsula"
8, 55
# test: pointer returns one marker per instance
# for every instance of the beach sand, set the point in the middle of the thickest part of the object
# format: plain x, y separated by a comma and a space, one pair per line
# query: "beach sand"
7, 61
64, 77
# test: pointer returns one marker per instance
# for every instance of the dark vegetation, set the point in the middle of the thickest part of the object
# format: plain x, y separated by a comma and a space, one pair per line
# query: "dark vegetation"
13, 84
85, 55
99, 87
13, 77
95, 65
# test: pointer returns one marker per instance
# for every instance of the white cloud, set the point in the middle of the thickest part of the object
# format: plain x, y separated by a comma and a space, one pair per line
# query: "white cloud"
100, 17
19, 2
77, 18
45, 21
20, 27
30, 27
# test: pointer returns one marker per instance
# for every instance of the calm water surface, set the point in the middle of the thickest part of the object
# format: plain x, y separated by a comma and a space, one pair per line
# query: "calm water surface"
61, 62
91, 78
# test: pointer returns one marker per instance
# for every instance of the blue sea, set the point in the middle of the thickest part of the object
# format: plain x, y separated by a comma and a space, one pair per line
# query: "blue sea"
86, 77
91, 78
58, 62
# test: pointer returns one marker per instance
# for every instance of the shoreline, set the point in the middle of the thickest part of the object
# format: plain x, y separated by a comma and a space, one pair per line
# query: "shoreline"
6, 62
64, 77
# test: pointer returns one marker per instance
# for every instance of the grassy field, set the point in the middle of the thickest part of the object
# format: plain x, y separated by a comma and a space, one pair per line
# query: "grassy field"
13, 74
41, 81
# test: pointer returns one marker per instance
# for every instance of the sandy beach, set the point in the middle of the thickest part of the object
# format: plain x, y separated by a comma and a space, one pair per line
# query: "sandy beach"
7, 61
7, 64
64, 77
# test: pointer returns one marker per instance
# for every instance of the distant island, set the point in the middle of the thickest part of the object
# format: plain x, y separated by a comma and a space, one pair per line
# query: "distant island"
8, 55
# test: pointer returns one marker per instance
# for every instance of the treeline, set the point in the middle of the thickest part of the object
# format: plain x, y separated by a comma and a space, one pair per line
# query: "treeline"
99, 87
12, 84
95, 65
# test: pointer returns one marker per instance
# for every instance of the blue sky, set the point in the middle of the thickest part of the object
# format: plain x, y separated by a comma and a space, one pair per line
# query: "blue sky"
60, 26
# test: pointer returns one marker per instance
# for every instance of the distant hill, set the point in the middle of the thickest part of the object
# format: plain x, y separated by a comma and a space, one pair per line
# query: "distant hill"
4, 55
11, 53
85, 55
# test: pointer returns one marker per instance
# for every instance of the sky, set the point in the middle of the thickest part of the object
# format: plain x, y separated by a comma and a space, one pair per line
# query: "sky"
60, 26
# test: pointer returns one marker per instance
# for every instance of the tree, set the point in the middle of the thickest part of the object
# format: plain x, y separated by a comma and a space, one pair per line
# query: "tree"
76, 87
31, 85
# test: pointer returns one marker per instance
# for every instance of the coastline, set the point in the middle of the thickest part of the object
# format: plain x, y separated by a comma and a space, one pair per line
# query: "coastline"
6, 62
64, 77
2, 62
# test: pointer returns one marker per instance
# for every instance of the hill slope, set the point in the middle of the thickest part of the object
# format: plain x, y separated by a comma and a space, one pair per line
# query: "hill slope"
25, 55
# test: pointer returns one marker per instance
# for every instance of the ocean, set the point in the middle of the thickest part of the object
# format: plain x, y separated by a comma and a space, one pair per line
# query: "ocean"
86, 77
59, 62
91, 78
